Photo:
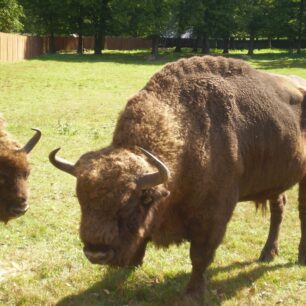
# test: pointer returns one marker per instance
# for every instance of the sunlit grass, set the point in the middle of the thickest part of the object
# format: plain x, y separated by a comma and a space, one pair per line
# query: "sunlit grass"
75, 100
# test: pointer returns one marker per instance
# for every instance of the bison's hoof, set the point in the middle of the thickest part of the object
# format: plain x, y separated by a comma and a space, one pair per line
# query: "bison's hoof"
268, 254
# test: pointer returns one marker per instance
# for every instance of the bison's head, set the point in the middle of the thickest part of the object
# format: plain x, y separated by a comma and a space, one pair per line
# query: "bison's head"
14, 171
119, 192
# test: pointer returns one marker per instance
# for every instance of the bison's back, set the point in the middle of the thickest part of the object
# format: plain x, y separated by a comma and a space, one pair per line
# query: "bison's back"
223, 118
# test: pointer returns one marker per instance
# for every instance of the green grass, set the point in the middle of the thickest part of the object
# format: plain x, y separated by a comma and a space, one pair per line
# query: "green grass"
75, 100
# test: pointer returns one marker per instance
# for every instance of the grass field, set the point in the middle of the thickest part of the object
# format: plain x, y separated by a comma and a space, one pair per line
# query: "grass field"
75, 100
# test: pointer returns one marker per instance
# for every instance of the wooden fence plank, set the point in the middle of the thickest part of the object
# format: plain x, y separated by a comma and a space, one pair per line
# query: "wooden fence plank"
14, 47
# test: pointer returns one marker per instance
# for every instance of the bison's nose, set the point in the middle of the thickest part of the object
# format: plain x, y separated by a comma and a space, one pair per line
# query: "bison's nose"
19, 209
98, 256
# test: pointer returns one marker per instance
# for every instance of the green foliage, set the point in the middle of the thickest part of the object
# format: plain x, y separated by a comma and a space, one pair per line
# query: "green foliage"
43, 17
185, 15
10, 14
148, 17
225, 18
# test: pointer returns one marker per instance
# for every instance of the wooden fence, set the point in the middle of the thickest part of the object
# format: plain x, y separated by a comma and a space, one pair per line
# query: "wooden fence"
14, 47
111, 43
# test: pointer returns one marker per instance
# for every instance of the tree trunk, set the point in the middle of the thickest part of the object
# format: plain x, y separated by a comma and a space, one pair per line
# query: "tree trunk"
226, 41
195, 44
100, 30
80, 44
232, 43
290, 44
270, 43
251, 45
52, 43
300, 26
205, 45
99, 45
52, 48
154, 51
178, 47
80, 38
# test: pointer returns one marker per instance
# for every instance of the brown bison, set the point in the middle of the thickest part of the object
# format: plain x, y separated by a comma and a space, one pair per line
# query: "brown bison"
14, 171
202, 135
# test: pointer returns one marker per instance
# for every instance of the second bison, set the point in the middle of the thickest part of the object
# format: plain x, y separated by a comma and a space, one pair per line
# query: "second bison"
14, 172
202, 135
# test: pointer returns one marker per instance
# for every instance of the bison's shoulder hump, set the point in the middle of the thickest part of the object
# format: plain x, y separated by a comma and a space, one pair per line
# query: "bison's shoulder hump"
197, 67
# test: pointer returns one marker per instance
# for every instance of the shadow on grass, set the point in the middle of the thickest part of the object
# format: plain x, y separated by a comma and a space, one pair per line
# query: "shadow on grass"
269, 59
138, 57
110, 291
280, 63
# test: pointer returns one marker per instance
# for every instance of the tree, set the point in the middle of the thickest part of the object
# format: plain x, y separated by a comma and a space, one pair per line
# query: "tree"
185, 15
10, 14
76, 17
147, 18
278, 22
286, 19
226, 17
44, 17
100, 17
207, 23
300, 24
206, 26
253, 17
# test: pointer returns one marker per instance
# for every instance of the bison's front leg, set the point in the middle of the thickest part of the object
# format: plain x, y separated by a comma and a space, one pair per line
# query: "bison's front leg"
277, 209
302, 213
200, 260
137, 259
204, 242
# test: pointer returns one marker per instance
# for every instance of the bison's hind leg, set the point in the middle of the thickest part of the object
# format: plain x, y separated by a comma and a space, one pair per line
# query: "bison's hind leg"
302, 213
277, 209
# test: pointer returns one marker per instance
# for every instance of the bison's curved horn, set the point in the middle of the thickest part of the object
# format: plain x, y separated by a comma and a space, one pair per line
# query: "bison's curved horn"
32, 142
61, 163
153, 179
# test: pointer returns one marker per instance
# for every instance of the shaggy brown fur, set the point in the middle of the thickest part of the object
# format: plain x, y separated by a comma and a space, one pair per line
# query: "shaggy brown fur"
227, 132
14, 171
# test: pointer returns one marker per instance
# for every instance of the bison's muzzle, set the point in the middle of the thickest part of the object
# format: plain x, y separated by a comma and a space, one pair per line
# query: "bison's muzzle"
99, 256
18, 210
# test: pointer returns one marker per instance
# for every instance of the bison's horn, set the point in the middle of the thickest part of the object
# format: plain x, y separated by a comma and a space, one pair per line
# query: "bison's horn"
28, 147
153, 179
61, 163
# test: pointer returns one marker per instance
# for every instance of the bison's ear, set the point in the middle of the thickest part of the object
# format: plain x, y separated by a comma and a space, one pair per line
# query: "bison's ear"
152, 196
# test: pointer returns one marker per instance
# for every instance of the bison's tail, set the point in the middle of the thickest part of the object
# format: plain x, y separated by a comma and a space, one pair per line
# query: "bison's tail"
263, 206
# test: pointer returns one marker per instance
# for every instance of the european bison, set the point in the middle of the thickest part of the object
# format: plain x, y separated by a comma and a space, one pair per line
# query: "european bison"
14, 171
221, 132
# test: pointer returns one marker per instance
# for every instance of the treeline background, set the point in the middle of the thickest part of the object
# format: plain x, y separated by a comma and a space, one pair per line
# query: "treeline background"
203, 21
